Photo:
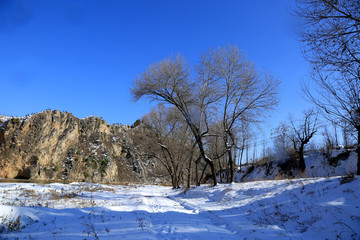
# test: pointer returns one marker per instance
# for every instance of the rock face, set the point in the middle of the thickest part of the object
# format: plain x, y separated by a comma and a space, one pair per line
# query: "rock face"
54, 145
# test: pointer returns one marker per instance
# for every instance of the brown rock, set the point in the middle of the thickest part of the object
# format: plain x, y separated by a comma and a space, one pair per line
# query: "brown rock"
54, 145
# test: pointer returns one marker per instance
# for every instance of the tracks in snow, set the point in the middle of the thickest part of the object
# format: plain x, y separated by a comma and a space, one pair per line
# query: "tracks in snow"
169, 217
208, 214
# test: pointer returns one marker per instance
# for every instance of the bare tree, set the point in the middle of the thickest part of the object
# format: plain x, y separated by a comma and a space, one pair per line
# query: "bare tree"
329, 141
224, 77
171, 141
246, 93
302, 133
280, 140
331, 34
169, 81
214, 141
331, 42
347, 134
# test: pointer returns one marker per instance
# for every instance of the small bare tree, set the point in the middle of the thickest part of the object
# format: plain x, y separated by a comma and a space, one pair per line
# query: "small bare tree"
329, 141
302, 133
347, 134
280, 141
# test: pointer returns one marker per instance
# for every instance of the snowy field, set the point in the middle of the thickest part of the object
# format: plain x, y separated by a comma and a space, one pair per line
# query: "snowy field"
314, 208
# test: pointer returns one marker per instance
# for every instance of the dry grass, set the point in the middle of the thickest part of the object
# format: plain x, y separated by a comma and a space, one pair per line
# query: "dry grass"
56, 195
28, 193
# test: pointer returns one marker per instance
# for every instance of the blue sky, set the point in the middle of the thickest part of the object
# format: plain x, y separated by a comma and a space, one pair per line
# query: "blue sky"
81, 56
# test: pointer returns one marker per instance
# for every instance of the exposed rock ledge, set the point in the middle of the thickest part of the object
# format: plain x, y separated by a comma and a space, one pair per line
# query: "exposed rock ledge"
54, 145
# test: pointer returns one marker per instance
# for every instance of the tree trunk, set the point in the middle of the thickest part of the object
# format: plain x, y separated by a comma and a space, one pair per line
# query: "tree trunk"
180, 178
196, 173
231, 165
189, 173
241, 154
199, 142
247, 154
207, 160
203, 172
213, 172
220, 171
231, 157
190, 165
173, 181
301, 158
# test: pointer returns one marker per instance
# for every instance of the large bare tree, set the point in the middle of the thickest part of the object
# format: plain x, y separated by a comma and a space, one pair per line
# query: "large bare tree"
331, 42
246, 93
170, 81
224, 82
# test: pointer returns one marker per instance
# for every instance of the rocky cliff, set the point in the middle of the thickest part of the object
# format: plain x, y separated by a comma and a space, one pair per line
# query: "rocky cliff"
54, 145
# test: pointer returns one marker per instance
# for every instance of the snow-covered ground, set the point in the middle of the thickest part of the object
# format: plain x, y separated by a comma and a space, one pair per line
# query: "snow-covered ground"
318, 164
313, 208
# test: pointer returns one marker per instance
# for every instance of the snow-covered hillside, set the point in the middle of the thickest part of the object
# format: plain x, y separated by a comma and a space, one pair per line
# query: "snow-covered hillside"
4, 118
312, 208
339, 162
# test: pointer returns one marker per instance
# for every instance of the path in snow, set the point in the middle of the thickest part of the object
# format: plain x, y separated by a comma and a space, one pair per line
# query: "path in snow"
138, 212
168, 218
319, 208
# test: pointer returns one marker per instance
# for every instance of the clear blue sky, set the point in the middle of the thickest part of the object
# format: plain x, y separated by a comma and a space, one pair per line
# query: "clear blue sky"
81, 56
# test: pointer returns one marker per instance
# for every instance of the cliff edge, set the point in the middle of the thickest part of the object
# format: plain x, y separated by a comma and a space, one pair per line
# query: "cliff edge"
54, 145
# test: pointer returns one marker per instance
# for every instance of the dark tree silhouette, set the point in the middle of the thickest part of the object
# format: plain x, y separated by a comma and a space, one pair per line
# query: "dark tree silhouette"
302, 133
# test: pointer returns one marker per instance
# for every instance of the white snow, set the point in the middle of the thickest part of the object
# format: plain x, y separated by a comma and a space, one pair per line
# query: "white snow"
317, 165
312, 208
4, 118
